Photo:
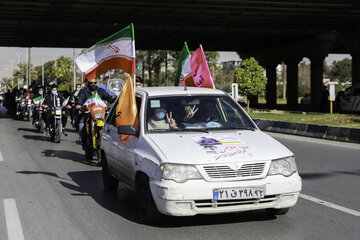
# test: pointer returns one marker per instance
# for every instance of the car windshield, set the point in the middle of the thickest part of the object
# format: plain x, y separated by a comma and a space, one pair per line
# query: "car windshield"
195, 113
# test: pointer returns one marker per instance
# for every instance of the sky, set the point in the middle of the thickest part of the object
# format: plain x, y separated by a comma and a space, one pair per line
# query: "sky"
9, 57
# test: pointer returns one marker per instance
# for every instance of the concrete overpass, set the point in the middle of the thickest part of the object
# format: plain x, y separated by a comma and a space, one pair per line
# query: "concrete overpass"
272, 31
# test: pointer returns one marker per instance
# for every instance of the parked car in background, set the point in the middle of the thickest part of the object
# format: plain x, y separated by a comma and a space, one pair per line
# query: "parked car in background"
306, 99
349, 100
217, 161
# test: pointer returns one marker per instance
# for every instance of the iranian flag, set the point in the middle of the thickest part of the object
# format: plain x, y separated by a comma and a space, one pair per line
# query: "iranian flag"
114, 52
94, 100
183, 74
38, 100
65, 102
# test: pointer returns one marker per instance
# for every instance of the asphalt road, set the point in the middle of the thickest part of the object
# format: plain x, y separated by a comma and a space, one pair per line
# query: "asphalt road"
48, 191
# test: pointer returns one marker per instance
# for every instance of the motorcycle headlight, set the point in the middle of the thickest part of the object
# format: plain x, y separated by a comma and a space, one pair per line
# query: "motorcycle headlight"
284, 166
179, 172
98, 115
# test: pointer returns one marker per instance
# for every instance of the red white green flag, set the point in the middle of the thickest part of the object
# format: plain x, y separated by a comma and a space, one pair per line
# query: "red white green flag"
183, 74
114, 52
94, 100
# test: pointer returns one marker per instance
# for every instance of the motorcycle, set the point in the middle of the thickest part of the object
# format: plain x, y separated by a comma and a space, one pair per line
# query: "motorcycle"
39, 123
28, 110
95, 117
56, 115
19, 108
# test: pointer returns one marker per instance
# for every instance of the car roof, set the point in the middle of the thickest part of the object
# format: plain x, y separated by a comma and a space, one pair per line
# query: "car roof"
166, 91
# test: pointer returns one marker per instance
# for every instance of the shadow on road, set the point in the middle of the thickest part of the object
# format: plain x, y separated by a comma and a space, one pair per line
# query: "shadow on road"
309, 176
28, 130
51, 174
67, 155
37, 137
123, 202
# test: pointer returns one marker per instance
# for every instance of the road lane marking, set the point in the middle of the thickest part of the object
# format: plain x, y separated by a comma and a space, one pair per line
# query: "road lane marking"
1, 157
13, 224
331, 205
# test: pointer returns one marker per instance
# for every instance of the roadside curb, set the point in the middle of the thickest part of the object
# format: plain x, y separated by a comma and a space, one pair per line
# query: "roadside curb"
342, 134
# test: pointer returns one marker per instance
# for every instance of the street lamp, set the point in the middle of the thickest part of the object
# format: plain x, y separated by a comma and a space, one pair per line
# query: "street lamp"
12, 72
18, 56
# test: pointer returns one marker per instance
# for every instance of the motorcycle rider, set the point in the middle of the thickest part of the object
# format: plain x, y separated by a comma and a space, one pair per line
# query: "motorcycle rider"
85, 94
50, 102
29, 95
73, 111
39, 93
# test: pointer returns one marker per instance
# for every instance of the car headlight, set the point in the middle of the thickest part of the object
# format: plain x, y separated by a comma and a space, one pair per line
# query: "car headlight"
98, 115
179, 172
285, 166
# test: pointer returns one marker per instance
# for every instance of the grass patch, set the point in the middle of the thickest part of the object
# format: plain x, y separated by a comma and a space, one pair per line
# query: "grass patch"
338, 120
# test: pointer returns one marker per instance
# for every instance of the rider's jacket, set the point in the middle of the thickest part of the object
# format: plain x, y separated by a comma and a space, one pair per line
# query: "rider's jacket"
85, 94
54, 100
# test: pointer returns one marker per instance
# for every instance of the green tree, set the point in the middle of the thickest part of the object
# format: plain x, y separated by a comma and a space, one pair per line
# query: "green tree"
21, 72
49, 68
251, 78
63, 72
7, 81
342, 70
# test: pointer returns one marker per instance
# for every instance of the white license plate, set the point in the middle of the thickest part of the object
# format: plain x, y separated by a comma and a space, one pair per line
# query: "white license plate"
58, 112
239, 193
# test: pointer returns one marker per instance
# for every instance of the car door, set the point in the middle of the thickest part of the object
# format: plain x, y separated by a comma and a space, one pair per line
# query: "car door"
125, 154
109, 139
355, 100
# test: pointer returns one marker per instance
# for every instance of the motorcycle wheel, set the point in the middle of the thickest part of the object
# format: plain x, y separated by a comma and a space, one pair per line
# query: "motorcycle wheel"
89, 151
28, 115
58, 134
41, 128
98, 157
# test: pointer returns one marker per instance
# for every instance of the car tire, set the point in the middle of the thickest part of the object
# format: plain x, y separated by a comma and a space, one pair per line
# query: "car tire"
280, 211
110, 183
148, 209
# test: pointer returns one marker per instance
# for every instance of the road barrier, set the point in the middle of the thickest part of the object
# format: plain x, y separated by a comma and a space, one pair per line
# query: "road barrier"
311, 130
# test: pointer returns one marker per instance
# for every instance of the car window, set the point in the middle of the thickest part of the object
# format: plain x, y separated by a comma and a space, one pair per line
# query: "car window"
111, 117
194, 113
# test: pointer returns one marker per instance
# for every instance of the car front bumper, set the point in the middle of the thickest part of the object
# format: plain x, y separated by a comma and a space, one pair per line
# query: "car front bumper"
196, 196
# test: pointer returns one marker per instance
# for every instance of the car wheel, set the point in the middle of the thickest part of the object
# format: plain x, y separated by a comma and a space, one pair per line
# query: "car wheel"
280, 211
110, 183
145, 200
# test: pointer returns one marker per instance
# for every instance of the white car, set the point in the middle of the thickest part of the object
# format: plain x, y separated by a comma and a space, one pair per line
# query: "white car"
213, 160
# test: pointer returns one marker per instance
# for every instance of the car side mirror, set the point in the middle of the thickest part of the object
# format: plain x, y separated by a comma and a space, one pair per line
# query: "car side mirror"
262, 124
128, 130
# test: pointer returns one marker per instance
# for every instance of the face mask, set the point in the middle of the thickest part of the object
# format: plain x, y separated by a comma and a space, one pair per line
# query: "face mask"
77, 89
160, 113
40, 92
54, 92
92, 87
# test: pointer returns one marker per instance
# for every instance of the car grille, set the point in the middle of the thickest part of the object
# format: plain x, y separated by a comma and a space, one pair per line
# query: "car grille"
224, 171
226, 203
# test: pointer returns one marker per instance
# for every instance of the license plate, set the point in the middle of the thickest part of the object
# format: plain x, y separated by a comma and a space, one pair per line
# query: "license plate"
239, 193
58, 112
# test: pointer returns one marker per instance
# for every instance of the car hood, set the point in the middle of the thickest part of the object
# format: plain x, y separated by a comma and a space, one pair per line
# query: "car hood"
215, 147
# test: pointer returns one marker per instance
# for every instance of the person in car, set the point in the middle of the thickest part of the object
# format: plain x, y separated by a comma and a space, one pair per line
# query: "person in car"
161, 120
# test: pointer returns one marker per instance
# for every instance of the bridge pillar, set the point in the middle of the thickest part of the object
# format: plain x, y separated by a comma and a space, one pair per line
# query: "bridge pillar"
316, 82
355, 70
271, 85
292, 83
